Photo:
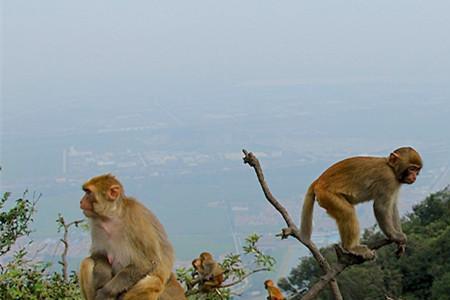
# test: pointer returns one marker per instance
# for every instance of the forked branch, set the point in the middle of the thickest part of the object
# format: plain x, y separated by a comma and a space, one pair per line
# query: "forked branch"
65, 240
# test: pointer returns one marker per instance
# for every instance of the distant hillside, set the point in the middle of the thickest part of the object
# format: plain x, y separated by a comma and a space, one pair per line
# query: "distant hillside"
422, 273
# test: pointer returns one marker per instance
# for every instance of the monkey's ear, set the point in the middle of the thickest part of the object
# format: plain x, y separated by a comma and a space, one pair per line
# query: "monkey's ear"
114, 192
393, 158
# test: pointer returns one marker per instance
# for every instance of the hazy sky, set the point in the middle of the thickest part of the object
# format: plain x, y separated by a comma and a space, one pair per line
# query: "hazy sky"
66, 50
302, 77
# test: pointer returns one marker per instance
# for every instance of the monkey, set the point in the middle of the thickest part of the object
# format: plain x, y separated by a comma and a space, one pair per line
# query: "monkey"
131, 257
274, 293
208, 273
360, 179
211, 272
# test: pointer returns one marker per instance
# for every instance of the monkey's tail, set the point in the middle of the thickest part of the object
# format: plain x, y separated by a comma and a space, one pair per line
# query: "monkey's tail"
307, 214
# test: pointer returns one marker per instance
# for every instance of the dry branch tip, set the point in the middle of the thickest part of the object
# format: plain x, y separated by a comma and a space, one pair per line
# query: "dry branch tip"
249, 158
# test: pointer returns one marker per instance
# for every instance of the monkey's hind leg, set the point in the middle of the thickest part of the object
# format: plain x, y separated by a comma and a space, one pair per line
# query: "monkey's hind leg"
345, 215
148, 288
87, 279
172, 290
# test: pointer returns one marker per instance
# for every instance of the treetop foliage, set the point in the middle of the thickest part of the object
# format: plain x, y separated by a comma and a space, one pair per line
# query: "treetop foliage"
422, 273
15, 221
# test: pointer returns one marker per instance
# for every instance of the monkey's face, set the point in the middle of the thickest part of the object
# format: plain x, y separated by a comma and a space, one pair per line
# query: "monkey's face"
406, 164
268, 283
87, 202
197, 264
101, 199
410, 174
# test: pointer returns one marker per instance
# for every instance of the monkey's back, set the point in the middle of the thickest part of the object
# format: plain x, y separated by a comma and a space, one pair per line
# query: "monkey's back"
357, 179
156, 244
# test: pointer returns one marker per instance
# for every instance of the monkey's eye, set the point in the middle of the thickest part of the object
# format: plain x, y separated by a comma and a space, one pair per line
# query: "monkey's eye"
414, 169
88, 191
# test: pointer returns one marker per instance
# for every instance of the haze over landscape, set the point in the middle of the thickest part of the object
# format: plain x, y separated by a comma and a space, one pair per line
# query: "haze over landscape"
166, 94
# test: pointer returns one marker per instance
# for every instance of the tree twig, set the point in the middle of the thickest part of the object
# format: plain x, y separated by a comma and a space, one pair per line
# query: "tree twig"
244, 277
65, 240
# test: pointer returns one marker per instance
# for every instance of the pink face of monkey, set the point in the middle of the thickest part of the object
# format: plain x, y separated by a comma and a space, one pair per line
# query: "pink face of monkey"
87, 201
410, 174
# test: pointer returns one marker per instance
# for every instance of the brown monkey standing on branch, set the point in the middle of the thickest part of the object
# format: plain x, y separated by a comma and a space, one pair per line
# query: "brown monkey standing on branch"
273, 291
359, 179
131, 256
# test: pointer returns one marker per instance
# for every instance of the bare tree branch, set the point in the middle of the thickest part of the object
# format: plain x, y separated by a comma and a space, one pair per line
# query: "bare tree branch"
65, 240
345, 259
244, 277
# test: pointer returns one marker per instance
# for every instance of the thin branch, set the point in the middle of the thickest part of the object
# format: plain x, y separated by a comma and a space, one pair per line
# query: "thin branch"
65, 241
244, 277
217, 291
251, 159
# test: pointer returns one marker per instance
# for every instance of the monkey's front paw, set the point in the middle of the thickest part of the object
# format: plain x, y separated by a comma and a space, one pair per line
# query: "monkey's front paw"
401, 248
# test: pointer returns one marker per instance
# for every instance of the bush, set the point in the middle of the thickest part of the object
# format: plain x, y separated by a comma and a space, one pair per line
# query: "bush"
20, 278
